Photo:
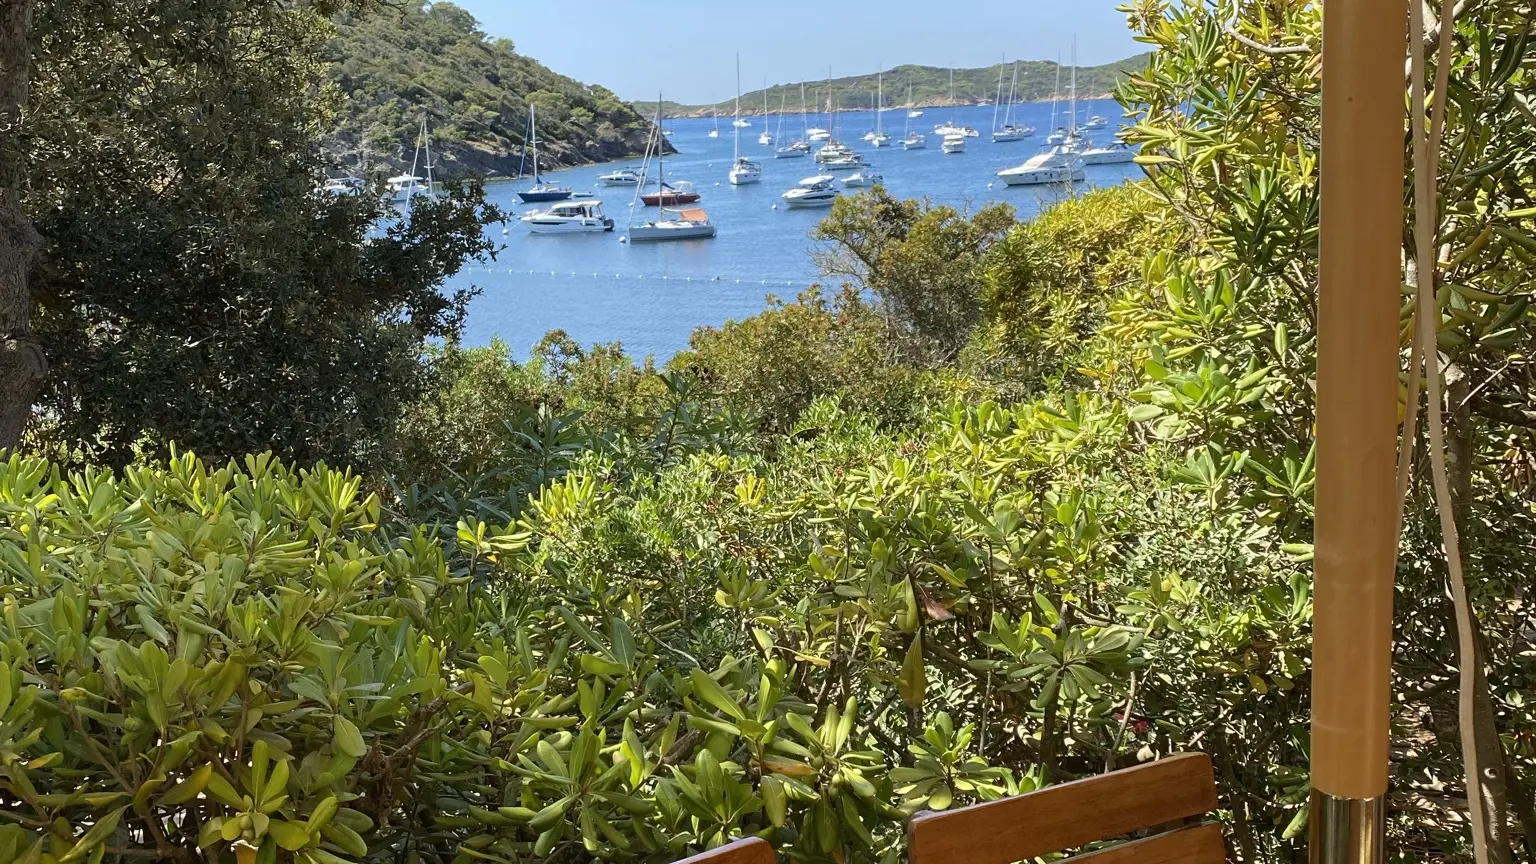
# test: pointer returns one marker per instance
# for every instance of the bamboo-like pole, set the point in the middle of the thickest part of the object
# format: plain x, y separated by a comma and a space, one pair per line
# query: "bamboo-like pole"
1357, 383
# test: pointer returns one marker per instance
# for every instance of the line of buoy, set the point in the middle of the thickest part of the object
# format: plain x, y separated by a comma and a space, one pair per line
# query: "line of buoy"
663, 277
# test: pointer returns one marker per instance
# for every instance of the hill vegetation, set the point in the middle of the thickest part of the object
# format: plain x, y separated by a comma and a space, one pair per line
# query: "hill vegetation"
930, 88
397, 65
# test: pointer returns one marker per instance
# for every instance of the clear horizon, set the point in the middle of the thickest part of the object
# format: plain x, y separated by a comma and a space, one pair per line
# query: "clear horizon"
797, 42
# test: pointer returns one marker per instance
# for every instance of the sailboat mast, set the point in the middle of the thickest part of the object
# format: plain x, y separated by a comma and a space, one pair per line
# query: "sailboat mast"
533, 131
997, 103
1013, 94
880, 102
426, 141
1056, 95
1072, 124
661, 150
737, 123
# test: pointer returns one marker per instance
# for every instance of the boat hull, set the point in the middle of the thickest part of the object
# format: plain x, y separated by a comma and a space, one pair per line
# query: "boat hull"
1110, 158
544, 197
620, 181
669, 199
806, 202
954, 147
790, 154
745, 178
1042, 176
567, 226
651, 234
1007, 137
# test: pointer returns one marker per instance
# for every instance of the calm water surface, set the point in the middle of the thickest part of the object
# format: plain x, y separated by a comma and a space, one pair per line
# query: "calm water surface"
650, 297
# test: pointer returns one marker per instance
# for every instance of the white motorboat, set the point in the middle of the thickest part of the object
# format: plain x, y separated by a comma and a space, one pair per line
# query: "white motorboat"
795, 150
765, 139
1056, 138
1110, 154
743, 170
622, 177
954, 144
1009, 134
834, 151
817, 191
870, 135
914, 141
539, 192
865, 177
915, 112
400, 186
690, 224
1057, 165
339, 186
568, 217
1096, 122
881, 140
817, 134
741, 123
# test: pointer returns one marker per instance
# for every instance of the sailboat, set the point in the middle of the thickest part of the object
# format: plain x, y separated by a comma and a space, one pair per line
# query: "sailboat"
1059, 164
1058, 135
1009, 132
743, 170
1075, 141
714, 112
912, 139
880, 139
406, 187
539, 191
688, 224
948, 130
816, 133
766, 139
666, 194
799, 147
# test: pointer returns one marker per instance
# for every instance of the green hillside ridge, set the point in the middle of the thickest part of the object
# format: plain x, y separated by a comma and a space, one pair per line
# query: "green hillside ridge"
392, 66
930, 88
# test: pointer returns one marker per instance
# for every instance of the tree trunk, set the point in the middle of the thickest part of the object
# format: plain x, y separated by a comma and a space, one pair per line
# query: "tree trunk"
22, 365
1460, 445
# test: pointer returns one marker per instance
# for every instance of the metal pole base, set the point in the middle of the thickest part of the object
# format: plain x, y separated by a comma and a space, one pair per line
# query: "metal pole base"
1348, 830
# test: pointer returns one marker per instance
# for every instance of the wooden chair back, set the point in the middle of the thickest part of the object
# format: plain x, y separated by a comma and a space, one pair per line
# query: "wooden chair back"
1158, 795
752, 850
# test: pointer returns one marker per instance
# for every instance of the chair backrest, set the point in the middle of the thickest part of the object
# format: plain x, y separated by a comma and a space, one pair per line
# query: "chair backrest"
752, 850
1159, 794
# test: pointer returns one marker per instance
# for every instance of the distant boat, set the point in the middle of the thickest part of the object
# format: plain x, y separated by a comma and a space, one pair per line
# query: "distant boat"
794, 151
407, 187
691, 224
1096, 122
911, 140
865, 177
715, 132
878, 138
540, 192
800, 147
568, 217
850, 160
766, 139
817, 134
1057, 165
1008, 131
343, 186
954, 144
1110, 154
666, 194
622, 177
743, 170
815, 191
741, 123
950, 129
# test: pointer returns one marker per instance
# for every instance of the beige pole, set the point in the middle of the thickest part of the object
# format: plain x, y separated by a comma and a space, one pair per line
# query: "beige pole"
1357, 368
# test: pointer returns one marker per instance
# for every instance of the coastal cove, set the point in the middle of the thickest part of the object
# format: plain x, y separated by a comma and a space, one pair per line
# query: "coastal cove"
651, 297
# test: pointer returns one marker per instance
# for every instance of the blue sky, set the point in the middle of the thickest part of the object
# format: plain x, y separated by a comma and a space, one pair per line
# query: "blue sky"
686, 48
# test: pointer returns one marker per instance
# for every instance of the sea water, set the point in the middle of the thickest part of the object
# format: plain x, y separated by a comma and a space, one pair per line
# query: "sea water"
650, 296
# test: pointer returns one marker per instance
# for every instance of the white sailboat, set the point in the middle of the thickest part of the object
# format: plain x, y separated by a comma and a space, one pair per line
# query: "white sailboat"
880, 139
954, 143
1009, 132
743, 170
714, 112
802, 146
690, 223
910, 138
406, 187
949, 129
766, 139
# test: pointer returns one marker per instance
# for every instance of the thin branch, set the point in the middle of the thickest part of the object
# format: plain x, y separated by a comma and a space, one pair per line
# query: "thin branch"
1271, 50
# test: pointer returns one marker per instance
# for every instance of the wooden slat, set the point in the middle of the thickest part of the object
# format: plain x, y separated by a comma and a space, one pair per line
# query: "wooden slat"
1066, 816
752, 850
1197, 844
